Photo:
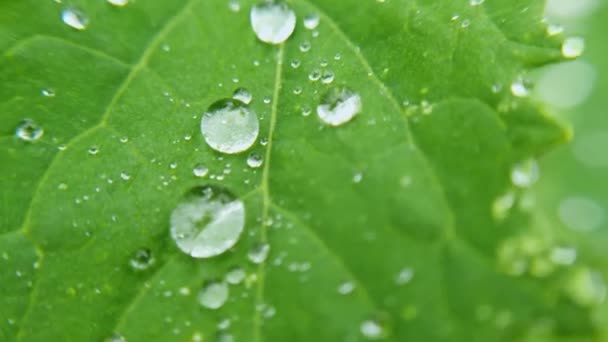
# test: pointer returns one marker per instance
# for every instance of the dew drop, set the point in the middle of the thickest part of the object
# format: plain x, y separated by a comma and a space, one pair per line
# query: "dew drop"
124, 139
207, 222
314, 75
306, 111
48, 92
213, 295
305, 46
520, 88
502, 205
74, 18
235, 276
142, 259
297, 90
229, 126
295, 63
242, 95
525, 174
28, 130
573, 47
234, 5
223, 324
272, 22
311, 21
327, 77
200, 170
346, 288
118, 3
254, 160
404, 276
554, 29
125, 176
339, 106
258, 253
372, 329
116, 337
476, 2
93, 150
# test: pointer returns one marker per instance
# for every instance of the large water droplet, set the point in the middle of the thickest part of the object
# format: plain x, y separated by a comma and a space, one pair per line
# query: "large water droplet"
28, 130
229, 126
339, 106
207, 222
258, 253
213, 295
273, 22
255, 160
142, 259
74, 18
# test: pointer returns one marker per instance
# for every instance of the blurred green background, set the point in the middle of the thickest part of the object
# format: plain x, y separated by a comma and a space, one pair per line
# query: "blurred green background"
574, 182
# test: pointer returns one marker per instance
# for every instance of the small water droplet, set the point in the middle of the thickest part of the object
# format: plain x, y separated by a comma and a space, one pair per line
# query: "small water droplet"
235, 276
242, 95
264, 141
520, 88
311, 21
297, 90
272, 22
229, 126
267, 100
346, 288
173, 165
234, 5
305, 46
338, 56
200, 170
28, 130
502, 205
142, 259
213, 295
118, 3
62, 186
306, 111
223, 324
124, 139
339, 106
573, 47
554, 29
476, 2
404, 276
295, 63
254, 160
372, 329
93, 150
358, 177
314, 75
48, 92
327, 77
74, 18
207, 222
125, 176
525, 174
116, 337
258, 253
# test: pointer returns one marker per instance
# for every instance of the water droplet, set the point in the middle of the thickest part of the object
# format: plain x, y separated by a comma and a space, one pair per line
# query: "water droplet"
207, 222
264, 141
93, 150
297, 90
258, 253
520, 88
125, 176
28, 130
314, 75
200, 170
305, 46
372, 329
295, 63
224, 337
234, 5
118, 3
272, 22
142, 259
404, 276
267, 100
554, 29
242, 95
327, 77
213, 295
229, 126
346, 288
223, 324
339, 106
116, 337
306, 111
502, 205
358, 177
235, 276
124, 139
476, 2
311, 21
48, 92
75, 18
255, 160
525, 174
573, 47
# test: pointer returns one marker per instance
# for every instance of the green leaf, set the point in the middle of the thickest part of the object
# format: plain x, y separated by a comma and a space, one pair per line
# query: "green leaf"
407, 188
